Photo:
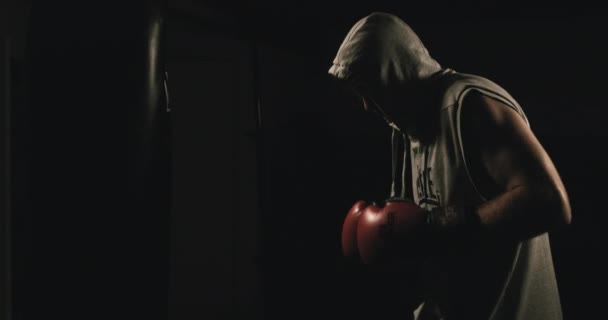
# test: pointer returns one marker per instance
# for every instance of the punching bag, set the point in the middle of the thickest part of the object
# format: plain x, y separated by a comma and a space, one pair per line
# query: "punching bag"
98, 186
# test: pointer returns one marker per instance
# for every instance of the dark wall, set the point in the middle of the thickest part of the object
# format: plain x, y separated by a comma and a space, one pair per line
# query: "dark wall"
4, 177
215, 217
13, 20
259, 202
90, 145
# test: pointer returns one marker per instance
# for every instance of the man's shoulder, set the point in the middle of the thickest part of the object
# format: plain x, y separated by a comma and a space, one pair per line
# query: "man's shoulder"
458, 81
455, 85
458, 87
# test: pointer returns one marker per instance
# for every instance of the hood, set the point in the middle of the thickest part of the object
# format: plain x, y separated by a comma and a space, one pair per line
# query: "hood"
382, 50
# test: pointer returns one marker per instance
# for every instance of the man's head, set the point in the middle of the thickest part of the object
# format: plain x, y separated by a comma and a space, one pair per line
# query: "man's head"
383, 60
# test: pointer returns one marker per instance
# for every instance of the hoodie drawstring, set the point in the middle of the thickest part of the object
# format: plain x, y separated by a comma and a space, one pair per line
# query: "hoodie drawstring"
395, 149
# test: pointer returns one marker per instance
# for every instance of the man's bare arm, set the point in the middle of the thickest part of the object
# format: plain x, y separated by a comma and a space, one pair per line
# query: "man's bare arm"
531, 197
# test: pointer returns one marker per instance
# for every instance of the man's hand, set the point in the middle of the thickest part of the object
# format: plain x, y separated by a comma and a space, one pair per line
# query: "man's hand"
453, 228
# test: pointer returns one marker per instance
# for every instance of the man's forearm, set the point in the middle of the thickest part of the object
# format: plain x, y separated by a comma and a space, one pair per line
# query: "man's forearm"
521, 213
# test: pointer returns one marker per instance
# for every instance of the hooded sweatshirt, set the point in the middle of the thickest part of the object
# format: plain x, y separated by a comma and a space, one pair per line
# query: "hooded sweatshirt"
498, 282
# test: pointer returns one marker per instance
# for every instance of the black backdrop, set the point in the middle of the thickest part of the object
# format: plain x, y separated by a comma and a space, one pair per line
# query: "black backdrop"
318, 153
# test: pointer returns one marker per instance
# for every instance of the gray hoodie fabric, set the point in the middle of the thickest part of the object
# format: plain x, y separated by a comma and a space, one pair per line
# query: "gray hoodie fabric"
507, 282
382, 49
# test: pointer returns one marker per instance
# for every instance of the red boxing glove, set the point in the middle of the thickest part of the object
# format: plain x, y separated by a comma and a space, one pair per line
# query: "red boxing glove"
401, 231
349, 229
392, 232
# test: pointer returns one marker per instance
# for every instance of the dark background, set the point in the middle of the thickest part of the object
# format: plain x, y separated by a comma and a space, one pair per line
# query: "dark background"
268, 156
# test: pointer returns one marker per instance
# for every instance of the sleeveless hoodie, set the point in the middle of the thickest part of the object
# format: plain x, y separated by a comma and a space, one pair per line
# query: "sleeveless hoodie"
502, 282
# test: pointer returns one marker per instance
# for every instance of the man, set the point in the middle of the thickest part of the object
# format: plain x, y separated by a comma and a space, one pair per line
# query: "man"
490, 191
